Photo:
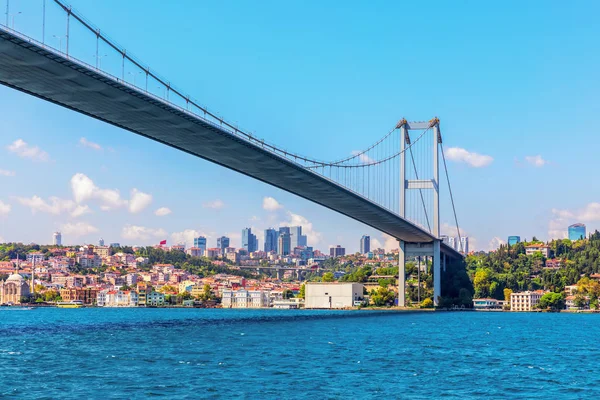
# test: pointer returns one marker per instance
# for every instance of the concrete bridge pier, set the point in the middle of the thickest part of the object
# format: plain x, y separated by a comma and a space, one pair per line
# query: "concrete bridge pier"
412, 250
280, 274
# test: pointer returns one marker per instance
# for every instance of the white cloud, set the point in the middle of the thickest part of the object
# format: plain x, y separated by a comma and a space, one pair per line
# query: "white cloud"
54, 205
451, 231
86, 143
139, 201
270, 204
80, 210
2, 240
161, 212
84, 189
24, 150
216, 204
187, 237
475, 160
561, 219
390, 243
4, 208
135, 232
78, 229
495, 243
536, 161
313, 237
5, 172
365, 159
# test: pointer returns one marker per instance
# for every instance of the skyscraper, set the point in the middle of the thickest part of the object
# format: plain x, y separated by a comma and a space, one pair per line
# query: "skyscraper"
284, 244
337, 251
223, 243
464, 244
200, 243
452, 242
512, 240
296, 237
271, 237
249, 241
365, 244
57, 239
577, 232
101, 242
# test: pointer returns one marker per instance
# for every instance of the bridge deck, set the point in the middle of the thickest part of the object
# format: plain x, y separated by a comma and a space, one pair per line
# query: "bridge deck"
32, 68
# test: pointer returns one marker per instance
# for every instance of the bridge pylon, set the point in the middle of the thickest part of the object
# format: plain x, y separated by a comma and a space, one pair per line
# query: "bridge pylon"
433, 249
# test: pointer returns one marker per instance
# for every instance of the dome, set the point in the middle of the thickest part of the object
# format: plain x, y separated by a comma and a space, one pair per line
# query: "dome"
15, 277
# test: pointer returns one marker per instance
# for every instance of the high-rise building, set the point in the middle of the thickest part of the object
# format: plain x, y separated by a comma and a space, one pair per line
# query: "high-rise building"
445, 239
452, 242
296, 237
337, 251
223, 243
271, 236
115, 245
284, 244
577, 232
57, 239
365, 244
200, 243
101, 242
464, 244
249, 241
512, 240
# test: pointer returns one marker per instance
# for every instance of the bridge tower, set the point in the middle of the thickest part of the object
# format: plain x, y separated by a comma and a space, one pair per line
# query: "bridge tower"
407, 249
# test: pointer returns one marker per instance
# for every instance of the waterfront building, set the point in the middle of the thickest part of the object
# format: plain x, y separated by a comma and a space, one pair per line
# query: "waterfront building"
271, 237
365, 244
525, 301
243, 298
512, 240
333, 295
223, 243
249, 241
155, 299
117, 298
337, 251
577, 232
284, 244
87, 296
13, 288
200, 243
535, 247
57, 239
487, 304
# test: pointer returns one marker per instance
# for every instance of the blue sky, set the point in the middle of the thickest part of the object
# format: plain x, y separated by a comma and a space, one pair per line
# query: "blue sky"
514, 81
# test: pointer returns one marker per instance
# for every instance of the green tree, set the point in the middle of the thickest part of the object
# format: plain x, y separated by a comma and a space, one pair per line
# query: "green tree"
552, 301
382, 296
328, 277
206, 293
287, 294
302, 292
427, 303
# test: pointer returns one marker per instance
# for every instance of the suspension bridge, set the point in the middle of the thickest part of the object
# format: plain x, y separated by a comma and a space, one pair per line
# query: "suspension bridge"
52, 52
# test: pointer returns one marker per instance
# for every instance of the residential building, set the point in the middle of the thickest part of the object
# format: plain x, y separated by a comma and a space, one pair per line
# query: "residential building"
271, 237
200, 243
284, 244
333, 295
337, 251
214, 252
365, 244
155, 299
195, 251
102, 251
249, 241
178, 247
86, 295
35, 258
525, 301
57, 239
535, 247
487, 304
512, 240
223, 243
571, 290
577, 232
233, 257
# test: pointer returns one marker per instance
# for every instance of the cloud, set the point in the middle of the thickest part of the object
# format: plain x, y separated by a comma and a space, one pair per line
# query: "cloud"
536, 161
475, 160
135, 232
5, 172
54, 205
139, 201
186, 237
84, 189
24, 150
161, 212
270, 204
78, 229
390, 243
215, 205
562, 218
451, 231
4, 208
80, 210
86, 143
365, 159
313, 237
495, 243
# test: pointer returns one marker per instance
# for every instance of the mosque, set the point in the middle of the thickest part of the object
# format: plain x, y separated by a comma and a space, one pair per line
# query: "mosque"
13, 289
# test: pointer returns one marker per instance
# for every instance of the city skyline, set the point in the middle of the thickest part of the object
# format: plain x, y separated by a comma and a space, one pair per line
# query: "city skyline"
68, 172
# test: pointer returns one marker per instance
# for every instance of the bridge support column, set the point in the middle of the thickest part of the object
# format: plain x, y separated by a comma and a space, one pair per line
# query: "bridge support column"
280, 274
437, 273
401, 274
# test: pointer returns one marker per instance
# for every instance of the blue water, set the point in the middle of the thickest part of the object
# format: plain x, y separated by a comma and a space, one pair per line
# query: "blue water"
289, 354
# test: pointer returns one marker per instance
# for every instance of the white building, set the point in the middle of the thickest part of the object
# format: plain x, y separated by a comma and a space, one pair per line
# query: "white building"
452, 242
243, 298
332, 295
464, 244
117, 298
57, 239
542, 248
525, 301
